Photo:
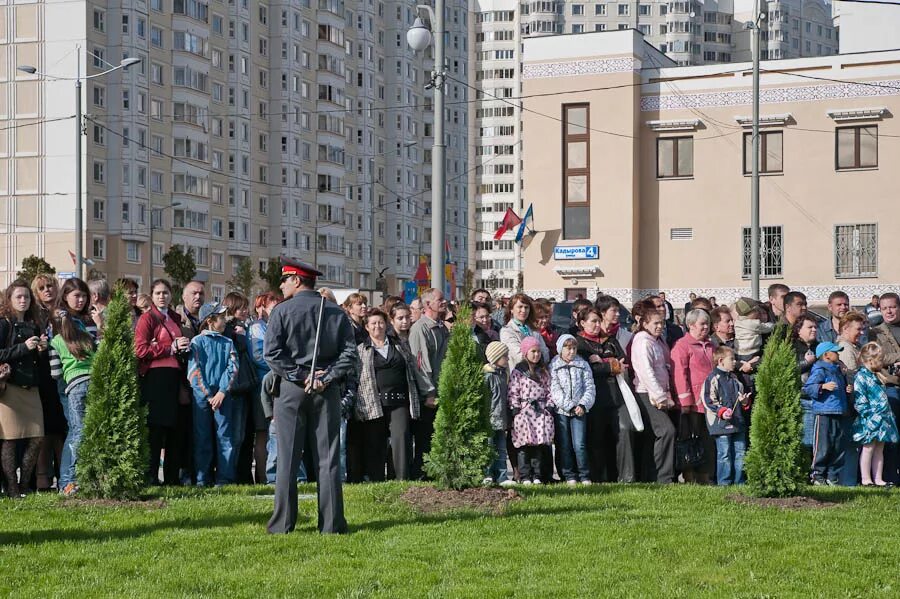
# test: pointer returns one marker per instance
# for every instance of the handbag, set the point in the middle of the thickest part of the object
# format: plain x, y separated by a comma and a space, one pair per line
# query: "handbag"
634, 412
247, 379
689, 450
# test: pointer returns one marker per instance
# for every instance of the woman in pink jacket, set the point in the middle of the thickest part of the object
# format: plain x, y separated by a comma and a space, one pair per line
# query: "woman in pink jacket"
692, 357
651, 365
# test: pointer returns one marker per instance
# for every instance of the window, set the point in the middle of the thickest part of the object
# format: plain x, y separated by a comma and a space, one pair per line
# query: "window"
599, 9
624, 10
856, 147
644, 10
577, 10
132, 251
770, 252
675, 157
99, 20
99, 209
771, 158
856, 250
576, 166
99, 172
99, 248
99, 95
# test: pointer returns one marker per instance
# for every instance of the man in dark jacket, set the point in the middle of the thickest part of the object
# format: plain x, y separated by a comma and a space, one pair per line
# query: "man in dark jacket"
308, 403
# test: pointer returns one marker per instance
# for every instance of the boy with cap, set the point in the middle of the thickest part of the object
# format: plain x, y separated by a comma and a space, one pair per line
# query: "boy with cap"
827, 387
573, 391
496, 375
212, 370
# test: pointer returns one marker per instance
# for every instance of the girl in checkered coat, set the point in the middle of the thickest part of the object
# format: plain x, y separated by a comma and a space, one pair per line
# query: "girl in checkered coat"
531, 405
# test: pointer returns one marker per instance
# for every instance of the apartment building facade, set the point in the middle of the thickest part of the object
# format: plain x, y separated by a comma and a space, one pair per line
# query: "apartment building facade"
640, 174
248, 130
688, 32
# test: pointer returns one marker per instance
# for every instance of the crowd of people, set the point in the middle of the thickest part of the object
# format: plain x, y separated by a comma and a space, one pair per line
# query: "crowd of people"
648, 394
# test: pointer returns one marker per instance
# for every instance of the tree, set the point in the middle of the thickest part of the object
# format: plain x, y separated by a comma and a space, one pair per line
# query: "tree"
243, 277
33, 266
180, 267
272, 275
460, 447
112, 460
774, 461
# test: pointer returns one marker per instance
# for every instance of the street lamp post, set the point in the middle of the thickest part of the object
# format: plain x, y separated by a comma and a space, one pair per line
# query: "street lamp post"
758, 18
150, 244
79, 217
419, 37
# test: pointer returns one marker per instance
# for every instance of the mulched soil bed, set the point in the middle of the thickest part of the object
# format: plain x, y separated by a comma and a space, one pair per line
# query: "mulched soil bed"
429, 500
146, 504
785, 503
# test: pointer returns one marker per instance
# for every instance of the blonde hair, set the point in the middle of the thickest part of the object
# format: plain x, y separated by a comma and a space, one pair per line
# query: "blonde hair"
871, 355
851, 317
143, 302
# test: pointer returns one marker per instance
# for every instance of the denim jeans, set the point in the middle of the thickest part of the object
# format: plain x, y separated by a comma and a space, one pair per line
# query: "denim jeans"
73, 407
571, 432
228, 423
730, 450
272, 455
498, 471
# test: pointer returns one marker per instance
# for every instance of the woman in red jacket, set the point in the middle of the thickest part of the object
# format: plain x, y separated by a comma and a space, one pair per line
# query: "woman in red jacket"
161, 349
692, 357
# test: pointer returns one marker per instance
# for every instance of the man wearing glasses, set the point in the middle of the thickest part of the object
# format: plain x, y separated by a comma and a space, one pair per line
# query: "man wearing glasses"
428, 341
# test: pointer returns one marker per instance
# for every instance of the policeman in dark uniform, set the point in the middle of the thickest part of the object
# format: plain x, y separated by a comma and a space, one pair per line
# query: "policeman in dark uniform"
308, 405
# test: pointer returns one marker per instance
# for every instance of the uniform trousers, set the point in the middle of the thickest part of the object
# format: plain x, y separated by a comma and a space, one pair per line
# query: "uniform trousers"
317, 417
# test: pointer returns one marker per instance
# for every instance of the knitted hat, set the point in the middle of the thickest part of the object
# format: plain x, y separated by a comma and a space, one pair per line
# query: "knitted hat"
744, 306
528, 343
561, 341
495, 350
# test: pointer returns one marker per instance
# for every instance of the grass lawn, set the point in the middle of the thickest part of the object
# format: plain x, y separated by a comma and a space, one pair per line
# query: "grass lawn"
611, 540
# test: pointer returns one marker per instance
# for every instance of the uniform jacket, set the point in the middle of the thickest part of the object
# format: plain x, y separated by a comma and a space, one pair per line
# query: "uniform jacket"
153, 338
531, 405
827, 402
291, 336
652, 367
607, 390
497, 380
571, 385
428, 341
368, 404
721, 391
512, 336
213, 364
693, 362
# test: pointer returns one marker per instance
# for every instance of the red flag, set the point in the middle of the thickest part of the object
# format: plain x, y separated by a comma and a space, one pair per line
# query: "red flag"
510, 220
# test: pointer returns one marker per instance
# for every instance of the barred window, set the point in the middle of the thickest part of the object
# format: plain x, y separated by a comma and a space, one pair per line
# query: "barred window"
856, 250
771, 244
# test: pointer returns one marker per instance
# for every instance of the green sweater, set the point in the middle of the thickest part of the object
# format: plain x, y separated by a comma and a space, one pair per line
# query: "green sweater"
72, 368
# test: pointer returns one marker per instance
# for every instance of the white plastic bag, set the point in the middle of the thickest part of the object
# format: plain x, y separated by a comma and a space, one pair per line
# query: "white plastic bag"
631, 403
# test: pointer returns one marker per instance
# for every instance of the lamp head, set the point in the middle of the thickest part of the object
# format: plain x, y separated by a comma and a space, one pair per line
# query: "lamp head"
27, 69
419, 36
127, 62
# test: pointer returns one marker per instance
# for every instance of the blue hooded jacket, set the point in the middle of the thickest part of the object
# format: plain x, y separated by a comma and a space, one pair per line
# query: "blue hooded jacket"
823, 401
213, 365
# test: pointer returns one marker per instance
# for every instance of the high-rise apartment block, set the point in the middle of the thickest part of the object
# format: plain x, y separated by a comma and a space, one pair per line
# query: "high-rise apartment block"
687, 31
248, 130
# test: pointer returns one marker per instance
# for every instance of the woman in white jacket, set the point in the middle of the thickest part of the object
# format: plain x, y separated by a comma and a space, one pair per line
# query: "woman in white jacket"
520, 324
652, 366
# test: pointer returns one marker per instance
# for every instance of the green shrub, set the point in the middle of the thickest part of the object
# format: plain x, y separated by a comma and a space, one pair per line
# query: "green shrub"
113, 457
774, 462
461, 445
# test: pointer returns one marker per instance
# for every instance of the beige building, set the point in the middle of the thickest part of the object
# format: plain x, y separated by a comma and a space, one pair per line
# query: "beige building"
639, 173
248, 130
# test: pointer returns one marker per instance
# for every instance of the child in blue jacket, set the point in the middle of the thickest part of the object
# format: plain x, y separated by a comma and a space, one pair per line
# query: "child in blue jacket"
574, 392
211, 371
726, 404
827, 387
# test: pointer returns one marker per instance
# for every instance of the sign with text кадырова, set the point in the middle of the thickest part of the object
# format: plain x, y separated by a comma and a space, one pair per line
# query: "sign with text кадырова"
576, 252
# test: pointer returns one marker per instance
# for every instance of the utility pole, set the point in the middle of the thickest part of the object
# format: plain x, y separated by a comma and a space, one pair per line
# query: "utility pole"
755, 42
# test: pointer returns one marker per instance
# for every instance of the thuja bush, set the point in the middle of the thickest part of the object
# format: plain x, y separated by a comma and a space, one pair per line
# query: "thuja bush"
774, 460
113, 456
460, 447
